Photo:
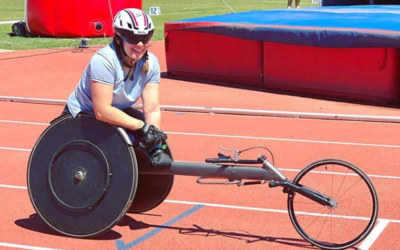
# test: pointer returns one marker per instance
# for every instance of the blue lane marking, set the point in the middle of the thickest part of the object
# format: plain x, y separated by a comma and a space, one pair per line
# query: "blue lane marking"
121, 244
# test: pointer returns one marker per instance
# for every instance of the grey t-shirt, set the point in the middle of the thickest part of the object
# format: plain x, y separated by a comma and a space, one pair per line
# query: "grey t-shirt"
105, 67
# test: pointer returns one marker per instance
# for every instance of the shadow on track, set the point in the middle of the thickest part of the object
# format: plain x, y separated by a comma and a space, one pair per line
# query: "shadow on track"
199, 231
35, 223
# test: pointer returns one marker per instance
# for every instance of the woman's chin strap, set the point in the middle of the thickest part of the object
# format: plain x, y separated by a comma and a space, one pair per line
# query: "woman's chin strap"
120, 51
127, 64
130, 69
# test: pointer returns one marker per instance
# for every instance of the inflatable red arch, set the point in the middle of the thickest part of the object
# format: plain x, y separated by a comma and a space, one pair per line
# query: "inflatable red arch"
74, 18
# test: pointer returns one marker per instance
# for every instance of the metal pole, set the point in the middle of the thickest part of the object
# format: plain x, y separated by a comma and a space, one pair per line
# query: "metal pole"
249, 112
32, 100
212, 171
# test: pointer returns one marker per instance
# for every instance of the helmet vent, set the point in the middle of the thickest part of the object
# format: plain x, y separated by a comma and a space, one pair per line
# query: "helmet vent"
129, 25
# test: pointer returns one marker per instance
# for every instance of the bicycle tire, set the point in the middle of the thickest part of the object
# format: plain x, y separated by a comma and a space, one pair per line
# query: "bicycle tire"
306, 223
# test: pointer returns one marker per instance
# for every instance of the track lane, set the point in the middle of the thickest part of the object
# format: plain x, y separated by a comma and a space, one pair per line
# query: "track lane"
29, 112
308, 140
227, 228
196, 231
252, 126
288, 153
233, 229
197, 148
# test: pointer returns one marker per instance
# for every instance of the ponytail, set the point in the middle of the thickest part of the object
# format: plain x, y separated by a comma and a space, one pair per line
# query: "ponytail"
146, 66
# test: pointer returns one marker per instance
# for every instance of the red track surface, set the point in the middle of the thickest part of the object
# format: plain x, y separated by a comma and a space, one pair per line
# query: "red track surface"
53, 74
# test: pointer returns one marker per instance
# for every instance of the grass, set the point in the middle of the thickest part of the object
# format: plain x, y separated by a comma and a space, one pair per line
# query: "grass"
12, 10
171, 10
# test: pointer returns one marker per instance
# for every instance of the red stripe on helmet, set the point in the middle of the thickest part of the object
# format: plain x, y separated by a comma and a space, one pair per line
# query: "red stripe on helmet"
133, 18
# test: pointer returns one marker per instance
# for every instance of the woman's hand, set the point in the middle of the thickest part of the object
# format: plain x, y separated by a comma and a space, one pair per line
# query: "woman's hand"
152, 137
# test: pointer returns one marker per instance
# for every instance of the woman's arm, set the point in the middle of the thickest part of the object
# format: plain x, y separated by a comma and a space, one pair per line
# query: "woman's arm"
102, 95
151, 104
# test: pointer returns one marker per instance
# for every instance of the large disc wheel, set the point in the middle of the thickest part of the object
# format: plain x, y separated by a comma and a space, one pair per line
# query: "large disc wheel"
152, 189
82, 176
351, 217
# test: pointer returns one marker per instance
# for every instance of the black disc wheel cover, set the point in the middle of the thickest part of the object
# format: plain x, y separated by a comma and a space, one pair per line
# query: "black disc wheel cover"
82, 176
152, 189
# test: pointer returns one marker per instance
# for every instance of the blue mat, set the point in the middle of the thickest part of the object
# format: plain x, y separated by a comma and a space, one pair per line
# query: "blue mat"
339, 27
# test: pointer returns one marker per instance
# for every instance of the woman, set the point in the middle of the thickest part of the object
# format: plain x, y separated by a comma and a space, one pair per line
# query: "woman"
118, 75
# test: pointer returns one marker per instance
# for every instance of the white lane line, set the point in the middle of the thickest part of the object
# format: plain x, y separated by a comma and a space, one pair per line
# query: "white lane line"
319, 172
12, 186
227, 206
3, 244
29, 123
235, 207
247, 137
229, 6
255, 209
268, 210
373, 236
287, 140
382, 223
15, 149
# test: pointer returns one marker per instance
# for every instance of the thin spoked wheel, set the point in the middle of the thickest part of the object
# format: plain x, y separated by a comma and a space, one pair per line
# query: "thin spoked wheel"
354, 210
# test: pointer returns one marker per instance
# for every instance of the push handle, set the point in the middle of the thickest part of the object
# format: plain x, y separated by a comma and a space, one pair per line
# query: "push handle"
221, 159
222, 156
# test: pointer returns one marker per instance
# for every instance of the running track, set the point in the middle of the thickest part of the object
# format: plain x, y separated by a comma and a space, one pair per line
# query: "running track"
195, 216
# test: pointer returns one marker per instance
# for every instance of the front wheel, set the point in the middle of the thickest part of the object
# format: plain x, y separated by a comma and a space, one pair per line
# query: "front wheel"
352, 217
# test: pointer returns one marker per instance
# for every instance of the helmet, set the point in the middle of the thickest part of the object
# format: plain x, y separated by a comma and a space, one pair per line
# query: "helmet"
133, 26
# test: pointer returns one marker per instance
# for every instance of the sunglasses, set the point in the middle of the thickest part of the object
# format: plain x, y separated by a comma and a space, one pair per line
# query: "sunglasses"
135, 39
145, 39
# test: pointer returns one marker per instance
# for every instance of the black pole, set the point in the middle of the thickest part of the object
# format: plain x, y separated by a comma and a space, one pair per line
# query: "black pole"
208, 170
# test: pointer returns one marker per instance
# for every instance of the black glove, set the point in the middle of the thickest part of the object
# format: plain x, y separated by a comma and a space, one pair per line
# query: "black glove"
160, 159
151, 137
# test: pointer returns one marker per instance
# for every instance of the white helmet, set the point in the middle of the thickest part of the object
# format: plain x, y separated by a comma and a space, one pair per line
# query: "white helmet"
133, 26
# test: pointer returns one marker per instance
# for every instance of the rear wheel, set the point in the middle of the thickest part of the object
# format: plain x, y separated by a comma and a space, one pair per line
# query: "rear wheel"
350, 220
82, 176
152, 189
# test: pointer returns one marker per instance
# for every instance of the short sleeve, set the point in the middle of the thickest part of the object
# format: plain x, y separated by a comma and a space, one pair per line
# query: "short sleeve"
102, 70
155, 72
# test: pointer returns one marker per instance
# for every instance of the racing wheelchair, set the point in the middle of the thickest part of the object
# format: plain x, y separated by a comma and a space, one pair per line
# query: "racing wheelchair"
84, 175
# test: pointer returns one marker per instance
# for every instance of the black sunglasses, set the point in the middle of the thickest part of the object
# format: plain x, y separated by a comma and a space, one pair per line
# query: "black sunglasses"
135, 39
